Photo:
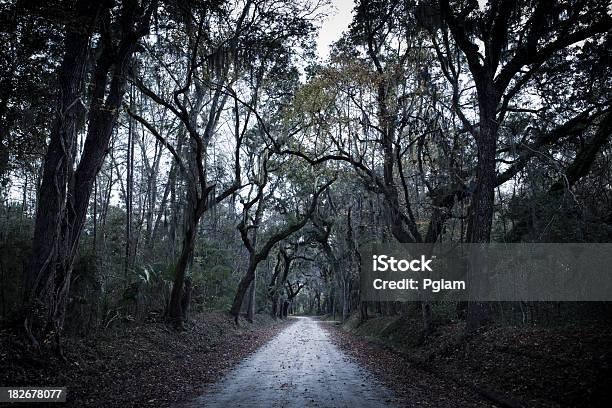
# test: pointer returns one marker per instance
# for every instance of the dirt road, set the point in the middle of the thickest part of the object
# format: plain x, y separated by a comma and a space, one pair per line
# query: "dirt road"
300, 367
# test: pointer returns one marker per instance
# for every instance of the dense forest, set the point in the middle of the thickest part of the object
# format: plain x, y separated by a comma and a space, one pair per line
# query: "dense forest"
163, 158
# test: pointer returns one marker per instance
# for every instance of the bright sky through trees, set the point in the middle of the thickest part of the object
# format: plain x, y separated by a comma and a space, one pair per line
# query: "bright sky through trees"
334, 25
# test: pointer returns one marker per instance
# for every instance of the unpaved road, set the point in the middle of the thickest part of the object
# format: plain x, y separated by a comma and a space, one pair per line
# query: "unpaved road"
300, 367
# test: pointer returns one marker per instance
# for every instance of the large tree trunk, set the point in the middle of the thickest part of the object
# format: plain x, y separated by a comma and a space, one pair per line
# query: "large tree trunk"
283, 264
44, 280
64, 194
129, 191
285, 309
252, 293
363, 311
274, 308
483, 200
177, 310
243, 286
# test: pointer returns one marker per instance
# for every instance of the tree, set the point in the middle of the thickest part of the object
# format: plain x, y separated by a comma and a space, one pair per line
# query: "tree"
65, 191
501, 70
277, 282
204, 76
250, 228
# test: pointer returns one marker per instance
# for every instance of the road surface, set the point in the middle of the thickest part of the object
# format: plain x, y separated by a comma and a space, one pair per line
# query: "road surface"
300, 367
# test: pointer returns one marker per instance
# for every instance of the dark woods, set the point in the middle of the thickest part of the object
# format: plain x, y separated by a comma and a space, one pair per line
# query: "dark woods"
158, 157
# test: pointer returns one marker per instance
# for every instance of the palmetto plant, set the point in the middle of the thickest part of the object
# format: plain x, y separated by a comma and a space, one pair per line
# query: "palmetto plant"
148, 288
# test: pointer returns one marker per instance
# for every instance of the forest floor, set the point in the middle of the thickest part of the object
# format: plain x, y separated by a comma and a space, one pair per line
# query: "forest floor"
504, 366
141, 364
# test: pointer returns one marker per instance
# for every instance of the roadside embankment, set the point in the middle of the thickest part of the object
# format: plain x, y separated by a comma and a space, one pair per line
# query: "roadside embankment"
509, 366
140, 364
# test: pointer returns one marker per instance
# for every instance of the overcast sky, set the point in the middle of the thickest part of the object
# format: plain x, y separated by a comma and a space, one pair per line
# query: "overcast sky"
332, 28
338, 21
